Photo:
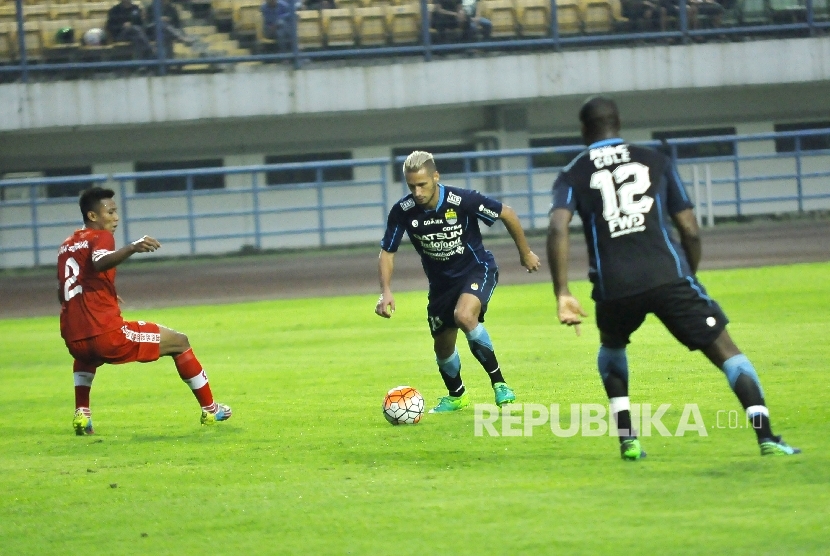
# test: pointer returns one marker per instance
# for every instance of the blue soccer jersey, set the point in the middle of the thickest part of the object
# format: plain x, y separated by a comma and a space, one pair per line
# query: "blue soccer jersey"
447, 238
625, 196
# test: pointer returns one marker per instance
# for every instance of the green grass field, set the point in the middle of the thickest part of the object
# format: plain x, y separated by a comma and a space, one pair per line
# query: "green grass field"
308, 465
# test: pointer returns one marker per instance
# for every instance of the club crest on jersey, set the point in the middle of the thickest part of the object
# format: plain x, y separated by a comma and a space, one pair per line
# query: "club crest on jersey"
408, 204
451, 216
453, 199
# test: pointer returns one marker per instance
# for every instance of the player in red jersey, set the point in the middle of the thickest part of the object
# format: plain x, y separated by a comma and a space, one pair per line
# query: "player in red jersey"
91, 323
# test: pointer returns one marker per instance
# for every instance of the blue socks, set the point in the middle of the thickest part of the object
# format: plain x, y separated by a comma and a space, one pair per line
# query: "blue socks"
482, 348
738, 365
450, 369
450, 366
612, 361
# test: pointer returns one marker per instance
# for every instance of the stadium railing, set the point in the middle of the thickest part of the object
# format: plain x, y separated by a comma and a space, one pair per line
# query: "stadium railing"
809, 18
249, 214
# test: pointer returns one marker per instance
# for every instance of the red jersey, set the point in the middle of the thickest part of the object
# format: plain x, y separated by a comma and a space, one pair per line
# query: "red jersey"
89, 305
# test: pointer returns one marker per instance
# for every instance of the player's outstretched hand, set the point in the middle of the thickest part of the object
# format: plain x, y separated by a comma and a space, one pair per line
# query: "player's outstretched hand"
570, 311
530, 261
146, 244
385, 306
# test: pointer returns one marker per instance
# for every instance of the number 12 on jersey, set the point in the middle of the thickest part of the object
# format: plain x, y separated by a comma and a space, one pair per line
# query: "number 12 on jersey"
622, 201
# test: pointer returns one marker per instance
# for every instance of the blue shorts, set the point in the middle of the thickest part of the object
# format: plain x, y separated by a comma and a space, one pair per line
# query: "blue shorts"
684, 307
480, 282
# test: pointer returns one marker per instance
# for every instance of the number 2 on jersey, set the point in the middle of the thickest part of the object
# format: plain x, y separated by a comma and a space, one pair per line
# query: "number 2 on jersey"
71, 272
607, 182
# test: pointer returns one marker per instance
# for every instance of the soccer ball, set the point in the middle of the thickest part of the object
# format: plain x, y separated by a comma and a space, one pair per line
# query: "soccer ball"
403, 405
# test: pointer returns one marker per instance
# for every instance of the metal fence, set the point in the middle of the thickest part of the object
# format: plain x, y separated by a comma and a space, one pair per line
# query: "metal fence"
746, 18
250, 213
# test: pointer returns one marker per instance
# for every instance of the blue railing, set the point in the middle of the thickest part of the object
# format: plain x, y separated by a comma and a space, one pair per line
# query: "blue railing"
258, 208
35, 204
248, 212
739, 162
812, 19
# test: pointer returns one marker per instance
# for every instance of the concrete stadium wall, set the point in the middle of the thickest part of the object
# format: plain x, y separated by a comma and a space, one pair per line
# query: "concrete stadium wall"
497, 101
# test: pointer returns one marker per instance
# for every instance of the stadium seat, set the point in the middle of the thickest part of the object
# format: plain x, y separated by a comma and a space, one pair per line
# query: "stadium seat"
8, 14
338, 27
246, 19
569, 17
753, 12
821, 11
534, 17
350, 4
596, 16
502, 14
96, 10
6, 47
404, 23
787, 11
54, 51
371, 25
222, 10
309, 29
38, 12
31, 38
65, 11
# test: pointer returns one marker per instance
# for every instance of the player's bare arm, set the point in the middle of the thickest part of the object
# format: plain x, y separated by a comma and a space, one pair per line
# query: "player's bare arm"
145, 244
386, 303
528, 258
689, 236
568, 309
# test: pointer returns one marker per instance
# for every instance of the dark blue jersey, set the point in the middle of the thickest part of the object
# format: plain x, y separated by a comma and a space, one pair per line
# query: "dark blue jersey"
625, 196
447, 238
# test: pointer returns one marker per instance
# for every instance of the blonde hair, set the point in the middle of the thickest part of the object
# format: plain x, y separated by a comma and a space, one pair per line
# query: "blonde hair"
417, 160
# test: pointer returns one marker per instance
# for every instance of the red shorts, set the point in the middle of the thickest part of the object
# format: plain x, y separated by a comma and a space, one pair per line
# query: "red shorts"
135, 341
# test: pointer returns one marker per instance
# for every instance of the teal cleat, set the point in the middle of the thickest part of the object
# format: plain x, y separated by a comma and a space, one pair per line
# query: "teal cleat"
82, 422
630, 450
222, 413
451, 403
504, 394
775, 446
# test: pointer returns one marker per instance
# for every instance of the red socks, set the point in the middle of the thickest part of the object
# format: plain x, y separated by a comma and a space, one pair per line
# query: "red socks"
83, 376
194, 376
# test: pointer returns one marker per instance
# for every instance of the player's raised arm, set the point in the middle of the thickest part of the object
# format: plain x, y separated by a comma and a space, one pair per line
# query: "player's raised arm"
386, 303
145, 244
568, 309
528, 258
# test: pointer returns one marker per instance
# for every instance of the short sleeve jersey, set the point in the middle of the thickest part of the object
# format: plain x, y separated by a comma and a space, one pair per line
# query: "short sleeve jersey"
90, 304
447, 238
625, 196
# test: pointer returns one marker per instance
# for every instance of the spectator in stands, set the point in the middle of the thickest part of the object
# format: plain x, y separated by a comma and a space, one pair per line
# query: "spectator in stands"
711, 10
276, 22
171, 26
645, 15
318, 4
125, 24
447, 15
475, 26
